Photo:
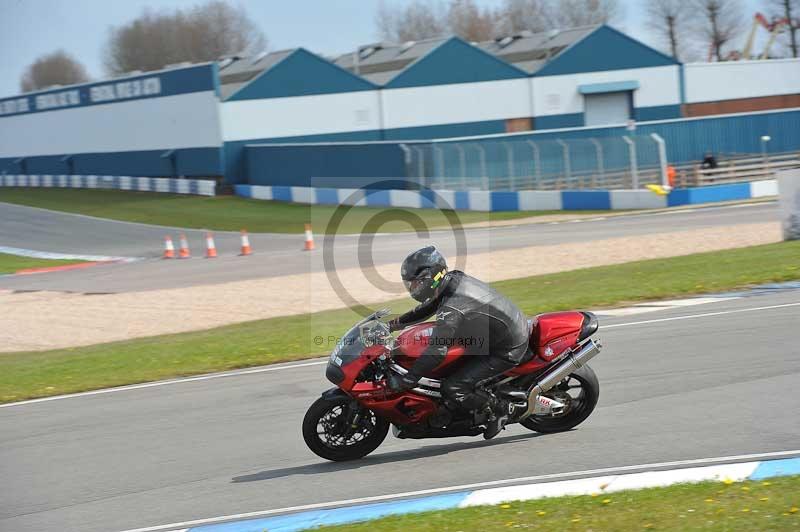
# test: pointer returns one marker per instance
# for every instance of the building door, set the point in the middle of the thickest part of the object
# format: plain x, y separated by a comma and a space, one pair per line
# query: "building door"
607, 108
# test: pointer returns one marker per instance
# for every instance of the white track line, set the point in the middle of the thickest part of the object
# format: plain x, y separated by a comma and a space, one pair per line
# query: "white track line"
465, 487
695, 316
22, 252
165, 383
319, 362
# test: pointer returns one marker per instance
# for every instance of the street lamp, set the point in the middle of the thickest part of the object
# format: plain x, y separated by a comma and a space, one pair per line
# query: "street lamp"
765, 161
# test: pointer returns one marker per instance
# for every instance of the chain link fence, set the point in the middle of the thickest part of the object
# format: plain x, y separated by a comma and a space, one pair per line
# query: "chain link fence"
623, 162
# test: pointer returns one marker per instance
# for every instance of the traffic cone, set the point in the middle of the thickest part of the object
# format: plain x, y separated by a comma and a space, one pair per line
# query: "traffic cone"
211, 249
183, 250
246, 249
169, 249
309, 239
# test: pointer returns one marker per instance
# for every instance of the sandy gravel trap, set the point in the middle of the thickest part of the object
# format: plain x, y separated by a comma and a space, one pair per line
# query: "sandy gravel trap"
47, 320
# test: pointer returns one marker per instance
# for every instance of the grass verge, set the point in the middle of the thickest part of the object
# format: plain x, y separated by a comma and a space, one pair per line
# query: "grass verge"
226, 213
752, 505
14, 263
27, 375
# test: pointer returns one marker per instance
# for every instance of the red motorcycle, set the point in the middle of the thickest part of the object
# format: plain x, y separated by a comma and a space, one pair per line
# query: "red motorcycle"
552, 389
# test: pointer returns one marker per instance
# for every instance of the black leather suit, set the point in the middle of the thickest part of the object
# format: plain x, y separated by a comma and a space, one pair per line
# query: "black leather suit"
491, 327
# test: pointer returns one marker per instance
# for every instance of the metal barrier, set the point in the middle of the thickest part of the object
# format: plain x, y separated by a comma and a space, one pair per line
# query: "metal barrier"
736, 170
607, 163
624, 162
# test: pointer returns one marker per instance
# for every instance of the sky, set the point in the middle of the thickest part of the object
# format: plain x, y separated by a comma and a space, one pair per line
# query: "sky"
31, 28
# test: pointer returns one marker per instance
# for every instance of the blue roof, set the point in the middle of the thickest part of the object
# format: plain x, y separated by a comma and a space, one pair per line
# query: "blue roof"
454, 61
300, 73
605, 49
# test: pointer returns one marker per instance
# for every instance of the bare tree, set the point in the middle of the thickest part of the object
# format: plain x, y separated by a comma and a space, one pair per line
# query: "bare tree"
668, 19
790, 11
471, 22
416, 21
58, 68
467, 19
719, 22
204, 33
217, 29
530, 15
576, 13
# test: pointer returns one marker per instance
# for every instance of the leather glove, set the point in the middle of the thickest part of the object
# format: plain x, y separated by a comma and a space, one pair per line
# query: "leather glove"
394, 325
401, 383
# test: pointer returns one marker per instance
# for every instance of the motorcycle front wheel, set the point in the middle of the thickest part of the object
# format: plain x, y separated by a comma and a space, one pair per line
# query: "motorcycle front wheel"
582, 390
339, 429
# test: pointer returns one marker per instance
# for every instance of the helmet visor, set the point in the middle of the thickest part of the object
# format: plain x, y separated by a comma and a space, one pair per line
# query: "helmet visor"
415, 286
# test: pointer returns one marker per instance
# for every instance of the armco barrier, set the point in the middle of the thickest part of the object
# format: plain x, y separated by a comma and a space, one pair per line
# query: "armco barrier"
525, 200
202, 187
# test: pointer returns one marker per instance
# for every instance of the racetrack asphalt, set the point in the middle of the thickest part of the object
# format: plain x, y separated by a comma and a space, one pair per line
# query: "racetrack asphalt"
280, 254
718, 383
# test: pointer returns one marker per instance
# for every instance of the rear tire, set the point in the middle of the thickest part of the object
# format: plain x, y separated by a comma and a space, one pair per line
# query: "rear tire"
322, 427
582, 409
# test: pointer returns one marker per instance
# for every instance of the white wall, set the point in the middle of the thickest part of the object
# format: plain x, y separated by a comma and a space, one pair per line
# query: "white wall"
557, 95
182, 121
456, 103
710, 82
300, 115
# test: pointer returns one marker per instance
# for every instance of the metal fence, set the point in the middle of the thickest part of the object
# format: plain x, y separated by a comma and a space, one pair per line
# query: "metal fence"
623, 162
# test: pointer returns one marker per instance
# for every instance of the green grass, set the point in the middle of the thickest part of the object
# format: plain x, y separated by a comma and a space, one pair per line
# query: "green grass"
228, 213
26, 375
13, 263
747, 506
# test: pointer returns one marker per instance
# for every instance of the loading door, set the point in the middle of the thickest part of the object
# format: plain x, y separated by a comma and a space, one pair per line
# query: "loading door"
607, 108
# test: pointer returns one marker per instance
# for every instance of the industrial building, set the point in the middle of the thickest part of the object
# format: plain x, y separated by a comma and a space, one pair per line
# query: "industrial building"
214, 120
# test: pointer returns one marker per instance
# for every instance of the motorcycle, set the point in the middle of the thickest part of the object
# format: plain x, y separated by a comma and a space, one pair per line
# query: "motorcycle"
551, 390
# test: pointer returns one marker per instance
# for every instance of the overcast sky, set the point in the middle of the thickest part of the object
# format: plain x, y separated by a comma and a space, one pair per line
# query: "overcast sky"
30, 28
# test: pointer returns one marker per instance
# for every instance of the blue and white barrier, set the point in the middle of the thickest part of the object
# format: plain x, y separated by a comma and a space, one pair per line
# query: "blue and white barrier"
202, 187
524, 200
607, 483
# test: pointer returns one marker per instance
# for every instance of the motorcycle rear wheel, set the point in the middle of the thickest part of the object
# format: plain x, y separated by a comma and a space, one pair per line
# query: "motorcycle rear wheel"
580, 408
325, 423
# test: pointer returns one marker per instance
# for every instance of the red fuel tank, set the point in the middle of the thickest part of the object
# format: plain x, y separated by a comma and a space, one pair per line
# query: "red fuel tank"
412, 342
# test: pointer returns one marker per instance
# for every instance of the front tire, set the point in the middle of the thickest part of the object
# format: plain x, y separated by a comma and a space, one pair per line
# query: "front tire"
581, 406
327, 434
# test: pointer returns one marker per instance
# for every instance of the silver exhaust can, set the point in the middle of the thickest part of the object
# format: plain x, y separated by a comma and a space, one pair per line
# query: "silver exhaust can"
572, 362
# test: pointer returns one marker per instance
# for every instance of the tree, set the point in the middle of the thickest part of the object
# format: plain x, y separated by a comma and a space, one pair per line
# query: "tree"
668, 19
204, 33
58, 68
471, 23
530, 15
416, 21
718, 21
465, 18
576, 13
789, 10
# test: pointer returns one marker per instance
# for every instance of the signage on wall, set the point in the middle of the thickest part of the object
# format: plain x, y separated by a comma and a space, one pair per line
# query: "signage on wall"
164, 83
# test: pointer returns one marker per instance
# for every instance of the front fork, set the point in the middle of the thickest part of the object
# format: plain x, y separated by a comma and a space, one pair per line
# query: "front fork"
352, 417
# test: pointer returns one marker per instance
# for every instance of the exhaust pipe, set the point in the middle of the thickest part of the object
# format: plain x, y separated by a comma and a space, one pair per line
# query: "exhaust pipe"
572, 362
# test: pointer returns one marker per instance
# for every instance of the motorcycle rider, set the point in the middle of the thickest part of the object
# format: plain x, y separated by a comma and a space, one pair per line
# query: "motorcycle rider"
465, 308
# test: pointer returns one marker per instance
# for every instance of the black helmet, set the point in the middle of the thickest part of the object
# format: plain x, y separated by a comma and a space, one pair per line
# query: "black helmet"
422, 271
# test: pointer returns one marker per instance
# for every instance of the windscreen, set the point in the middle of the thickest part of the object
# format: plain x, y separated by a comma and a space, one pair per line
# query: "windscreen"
348, 348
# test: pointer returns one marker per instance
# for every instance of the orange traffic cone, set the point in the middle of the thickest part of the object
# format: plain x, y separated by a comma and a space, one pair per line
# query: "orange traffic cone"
211, 249
246, 249
309, 239
183, 251
169, 249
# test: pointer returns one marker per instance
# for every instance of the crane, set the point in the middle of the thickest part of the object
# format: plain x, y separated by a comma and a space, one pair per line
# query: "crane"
774, 28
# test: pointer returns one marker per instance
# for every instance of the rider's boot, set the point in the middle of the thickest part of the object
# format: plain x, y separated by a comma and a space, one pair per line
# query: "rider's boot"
498, 411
